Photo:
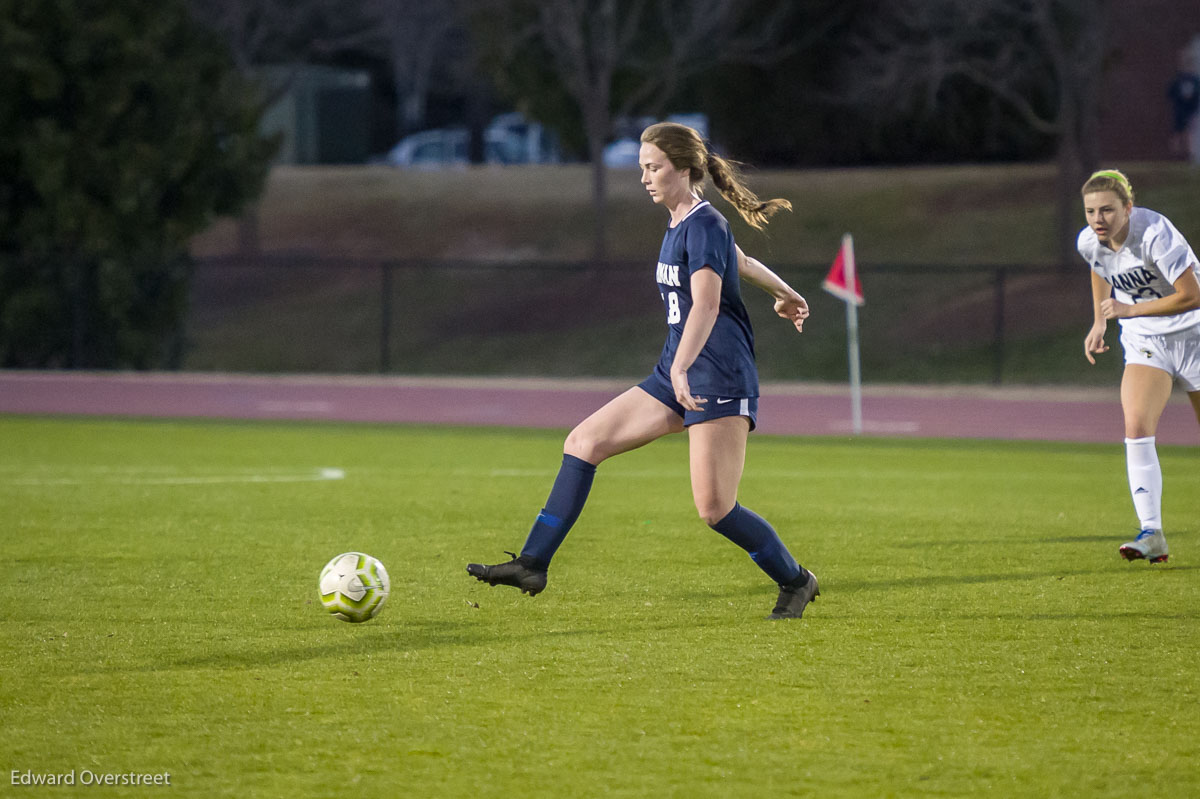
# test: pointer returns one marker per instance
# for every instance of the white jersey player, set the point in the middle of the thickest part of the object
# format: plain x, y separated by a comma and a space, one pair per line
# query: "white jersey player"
1145, 275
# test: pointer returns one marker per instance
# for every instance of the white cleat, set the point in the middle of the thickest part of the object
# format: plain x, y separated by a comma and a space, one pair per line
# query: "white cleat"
1150, 545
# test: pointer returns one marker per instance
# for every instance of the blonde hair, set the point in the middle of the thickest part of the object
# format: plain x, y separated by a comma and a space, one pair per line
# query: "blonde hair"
687, 151
1110, 180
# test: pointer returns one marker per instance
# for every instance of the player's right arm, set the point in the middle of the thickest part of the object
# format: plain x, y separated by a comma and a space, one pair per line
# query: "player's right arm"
1094, 343
1186, 298
788, 302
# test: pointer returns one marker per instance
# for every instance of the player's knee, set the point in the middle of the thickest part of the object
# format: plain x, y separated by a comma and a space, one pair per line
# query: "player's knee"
584, 446
712, 509
1138, 428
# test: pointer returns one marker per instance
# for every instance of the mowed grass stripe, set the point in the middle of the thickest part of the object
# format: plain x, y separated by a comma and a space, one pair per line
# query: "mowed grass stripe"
976, 630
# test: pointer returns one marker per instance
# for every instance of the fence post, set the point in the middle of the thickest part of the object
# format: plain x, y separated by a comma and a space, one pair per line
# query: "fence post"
385, 317
998, 335
77, 285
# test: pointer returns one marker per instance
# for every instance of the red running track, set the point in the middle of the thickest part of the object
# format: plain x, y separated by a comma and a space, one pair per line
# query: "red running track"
784, 409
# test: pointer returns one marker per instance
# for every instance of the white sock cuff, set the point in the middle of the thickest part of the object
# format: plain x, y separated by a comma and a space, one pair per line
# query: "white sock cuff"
1146, 440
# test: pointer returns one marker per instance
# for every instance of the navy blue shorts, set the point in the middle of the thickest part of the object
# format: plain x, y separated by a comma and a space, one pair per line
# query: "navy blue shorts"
717, 407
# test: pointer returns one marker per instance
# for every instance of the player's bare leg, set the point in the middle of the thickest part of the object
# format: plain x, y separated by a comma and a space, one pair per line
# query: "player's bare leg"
717, 451
1145, 391
717, 456
627, 422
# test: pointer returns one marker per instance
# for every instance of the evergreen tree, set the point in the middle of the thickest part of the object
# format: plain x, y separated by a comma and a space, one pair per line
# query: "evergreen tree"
124, 130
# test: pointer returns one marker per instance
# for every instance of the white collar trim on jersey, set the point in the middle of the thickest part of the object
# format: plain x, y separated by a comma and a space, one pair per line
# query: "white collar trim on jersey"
701, 204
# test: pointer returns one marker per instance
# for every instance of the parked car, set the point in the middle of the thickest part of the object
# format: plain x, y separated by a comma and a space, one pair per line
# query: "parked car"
431, 149
623, 151
508, 139
513, 139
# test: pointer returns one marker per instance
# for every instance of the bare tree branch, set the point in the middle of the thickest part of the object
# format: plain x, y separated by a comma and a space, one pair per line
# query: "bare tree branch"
261, 33
416, 39
1043, 59
593, 43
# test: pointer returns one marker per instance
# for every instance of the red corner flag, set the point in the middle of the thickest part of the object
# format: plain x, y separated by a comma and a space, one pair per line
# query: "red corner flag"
843, 275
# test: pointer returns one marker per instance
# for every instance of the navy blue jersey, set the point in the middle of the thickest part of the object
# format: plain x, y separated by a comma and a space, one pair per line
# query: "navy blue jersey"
725, 366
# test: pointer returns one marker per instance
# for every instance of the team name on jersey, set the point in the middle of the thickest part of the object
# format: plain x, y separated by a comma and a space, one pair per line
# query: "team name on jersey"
667, 274
1132, 280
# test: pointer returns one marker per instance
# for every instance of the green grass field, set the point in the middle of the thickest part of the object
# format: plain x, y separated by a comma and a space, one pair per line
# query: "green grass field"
977, 632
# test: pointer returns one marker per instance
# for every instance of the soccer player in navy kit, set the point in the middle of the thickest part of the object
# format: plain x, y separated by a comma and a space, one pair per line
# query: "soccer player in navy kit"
1145, 275
705, 381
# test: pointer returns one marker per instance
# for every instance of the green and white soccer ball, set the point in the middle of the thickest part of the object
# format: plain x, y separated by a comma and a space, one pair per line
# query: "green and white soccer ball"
354, 586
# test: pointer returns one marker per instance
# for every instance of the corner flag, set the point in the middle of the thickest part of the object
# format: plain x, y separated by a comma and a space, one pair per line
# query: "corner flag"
842, 281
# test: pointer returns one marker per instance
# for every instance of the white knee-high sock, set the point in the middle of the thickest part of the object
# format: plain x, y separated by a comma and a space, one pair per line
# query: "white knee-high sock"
1145, 481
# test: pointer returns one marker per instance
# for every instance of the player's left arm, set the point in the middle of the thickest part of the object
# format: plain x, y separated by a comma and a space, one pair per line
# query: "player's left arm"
1186, 298
706, 304
788, 302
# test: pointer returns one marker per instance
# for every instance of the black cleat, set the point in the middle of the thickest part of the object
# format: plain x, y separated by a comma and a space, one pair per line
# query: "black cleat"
518, 572
795, 596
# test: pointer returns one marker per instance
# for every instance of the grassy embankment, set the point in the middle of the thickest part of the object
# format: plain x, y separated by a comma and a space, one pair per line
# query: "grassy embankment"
534, 318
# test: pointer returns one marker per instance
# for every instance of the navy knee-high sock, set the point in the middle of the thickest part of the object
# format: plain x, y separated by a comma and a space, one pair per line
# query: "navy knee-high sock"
566, 501
754, 534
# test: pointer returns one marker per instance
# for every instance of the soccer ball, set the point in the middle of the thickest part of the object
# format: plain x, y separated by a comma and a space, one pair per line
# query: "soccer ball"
354, 586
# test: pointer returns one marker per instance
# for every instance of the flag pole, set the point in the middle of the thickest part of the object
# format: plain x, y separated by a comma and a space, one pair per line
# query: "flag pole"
852, 339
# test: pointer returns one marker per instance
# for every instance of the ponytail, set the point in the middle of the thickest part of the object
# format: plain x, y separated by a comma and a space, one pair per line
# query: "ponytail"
728, 180
687, 150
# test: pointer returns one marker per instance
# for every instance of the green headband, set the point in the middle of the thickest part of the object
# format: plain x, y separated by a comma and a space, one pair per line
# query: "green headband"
1113, 174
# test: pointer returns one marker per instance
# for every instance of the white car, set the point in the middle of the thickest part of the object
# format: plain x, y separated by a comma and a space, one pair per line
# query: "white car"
622, 152
431, 149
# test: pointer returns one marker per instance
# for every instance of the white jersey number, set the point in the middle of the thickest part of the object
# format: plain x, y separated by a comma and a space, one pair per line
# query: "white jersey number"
673, 312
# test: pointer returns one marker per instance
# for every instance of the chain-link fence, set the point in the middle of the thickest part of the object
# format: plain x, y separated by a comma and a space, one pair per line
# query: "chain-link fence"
928, 323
